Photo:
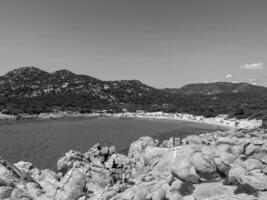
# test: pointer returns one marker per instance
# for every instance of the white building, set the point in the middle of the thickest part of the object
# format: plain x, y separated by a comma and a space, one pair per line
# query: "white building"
249, 124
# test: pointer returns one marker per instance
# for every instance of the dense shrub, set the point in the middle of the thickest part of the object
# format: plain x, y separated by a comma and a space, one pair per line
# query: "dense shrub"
239, 105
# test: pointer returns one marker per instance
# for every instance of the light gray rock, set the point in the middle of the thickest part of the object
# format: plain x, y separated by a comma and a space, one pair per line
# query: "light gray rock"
112, 149
149, 172
255, 180
176, 185
139, 146
193, 139
209, 190
5, 192
26, 166
260, 153
203, 164
141, 193
252, 164
73, 184
190, 197
18, 194
104, 151
159, 195
236, 172
185, 171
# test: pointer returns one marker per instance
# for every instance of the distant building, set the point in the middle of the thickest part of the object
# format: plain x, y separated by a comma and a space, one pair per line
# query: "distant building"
249, 124
221, 119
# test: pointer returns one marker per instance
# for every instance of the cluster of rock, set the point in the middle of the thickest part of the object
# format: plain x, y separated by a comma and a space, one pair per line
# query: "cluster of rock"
220, 165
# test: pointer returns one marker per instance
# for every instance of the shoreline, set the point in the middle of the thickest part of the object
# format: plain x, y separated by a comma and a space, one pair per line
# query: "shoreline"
177, 120
55, 137
25, 120
77, 115
219, 120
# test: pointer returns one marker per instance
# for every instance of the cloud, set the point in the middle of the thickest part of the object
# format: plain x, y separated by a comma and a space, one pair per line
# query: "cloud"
251, 79
252, 66
229, 76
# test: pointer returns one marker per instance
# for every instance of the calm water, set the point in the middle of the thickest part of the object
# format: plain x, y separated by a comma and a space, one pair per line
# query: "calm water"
43, 142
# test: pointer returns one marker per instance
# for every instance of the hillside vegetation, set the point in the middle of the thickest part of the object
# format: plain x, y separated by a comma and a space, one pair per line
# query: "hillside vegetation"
32, 90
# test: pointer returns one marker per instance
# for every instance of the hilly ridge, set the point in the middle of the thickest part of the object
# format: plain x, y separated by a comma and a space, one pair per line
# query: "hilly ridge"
32, 90
221, 87
33, 82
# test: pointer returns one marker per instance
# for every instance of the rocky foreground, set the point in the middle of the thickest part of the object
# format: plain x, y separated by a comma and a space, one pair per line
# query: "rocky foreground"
220, 165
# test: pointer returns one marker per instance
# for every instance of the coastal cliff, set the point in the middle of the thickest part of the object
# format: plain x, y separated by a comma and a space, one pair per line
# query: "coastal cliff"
218, 165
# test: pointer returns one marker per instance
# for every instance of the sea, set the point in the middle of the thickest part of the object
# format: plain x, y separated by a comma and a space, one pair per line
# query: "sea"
43, 142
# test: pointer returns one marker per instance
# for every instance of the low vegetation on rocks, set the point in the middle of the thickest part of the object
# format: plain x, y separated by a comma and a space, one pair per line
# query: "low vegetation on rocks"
218, 165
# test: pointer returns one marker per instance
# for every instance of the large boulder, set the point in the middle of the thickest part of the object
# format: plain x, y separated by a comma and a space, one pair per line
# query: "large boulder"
137, 152
237, 170
185, 171
153, 154
5, 192
17, 184
73, 183
255, 180
159, 195
223, 161
65, 163
25, 166
239, 174
259, 152
203, 164
139, 146
152, 171
253, 164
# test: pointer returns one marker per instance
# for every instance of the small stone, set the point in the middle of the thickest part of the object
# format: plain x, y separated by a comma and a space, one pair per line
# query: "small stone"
104, 151
176, 185
112, 149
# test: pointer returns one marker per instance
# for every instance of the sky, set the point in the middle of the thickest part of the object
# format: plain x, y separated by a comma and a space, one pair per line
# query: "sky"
163, 43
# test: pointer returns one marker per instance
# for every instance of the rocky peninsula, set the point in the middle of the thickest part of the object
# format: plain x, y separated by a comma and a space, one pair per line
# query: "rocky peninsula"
222, 165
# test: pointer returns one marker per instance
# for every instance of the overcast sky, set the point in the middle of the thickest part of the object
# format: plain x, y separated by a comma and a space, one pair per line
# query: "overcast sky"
163, 43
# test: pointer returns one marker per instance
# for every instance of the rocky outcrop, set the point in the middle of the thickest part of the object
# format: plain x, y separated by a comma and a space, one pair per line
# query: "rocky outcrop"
219, 165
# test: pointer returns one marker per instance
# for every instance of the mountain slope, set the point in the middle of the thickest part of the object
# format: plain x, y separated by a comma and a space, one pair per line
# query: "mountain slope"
32, 90
221, 87
33, 82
